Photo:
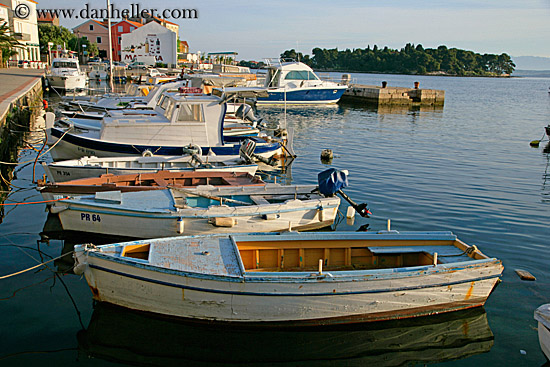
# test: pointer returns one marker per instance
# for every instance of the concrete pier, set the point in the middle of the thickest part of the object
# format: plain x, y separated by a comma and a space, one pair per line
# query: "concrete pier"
398, 96
20, 88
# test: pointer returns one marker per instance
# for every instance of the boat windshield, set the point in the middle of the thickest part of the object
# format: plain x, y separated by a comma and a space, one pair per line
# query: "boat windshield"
169, 106
65, 64
301, 75
273, 78
189, 112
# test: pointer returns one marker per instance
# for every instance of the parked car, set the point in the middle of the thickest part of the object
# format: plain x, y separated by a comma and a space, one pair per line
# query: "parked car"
137, 65
23, 64
155, 72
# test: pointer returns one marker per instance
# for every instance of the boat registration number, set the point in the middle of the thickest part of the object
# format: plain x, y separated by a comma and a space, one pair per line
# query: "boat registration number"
90, 217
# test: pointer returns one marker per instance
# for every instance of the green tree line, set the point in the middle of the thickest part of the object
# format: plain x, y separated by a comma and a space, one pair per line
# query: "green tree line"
410, 59
62, 36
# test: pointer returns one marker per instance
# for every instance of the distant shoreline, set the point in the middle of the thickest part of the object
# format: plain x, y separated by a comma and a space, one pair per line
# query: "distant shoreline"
436, 73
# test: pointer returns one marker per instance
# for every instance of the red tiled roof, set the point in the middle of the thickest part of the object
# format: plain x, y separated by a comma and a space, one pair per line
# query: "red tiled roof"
184, 43
46, 17
164, 20
129, 22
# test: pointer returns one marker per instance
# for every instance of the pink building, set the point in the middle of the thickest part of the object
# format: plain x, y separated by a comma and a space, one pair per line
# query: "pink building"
95, 32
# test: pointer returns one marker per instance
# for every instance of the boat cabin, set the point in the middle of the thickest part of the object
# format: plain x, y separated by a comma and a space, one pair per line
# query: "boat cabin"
292, 74
197, 118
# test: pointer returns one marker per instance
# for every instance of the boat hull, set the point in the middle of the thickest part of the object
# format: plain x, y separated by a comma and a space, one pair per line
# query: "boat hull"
326, 302
73, 146
140, 224
303, 96
67, 82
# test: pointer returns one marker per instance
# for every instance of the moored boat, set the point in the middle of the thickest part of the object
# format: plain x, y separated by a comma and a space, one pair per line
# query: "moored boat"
542, 315
65, 74
293, 278
146, 181
291, 82
86, 167
200, 210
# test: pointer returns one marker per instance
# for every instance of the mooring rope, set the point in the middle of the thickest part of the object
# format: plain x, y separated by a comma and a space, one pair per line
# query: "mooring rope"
34, 267
35, 202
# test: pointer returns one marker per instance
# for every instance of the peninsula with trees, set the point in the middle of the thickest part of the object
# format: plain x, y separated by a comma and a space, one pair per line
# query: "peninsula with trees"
411, 59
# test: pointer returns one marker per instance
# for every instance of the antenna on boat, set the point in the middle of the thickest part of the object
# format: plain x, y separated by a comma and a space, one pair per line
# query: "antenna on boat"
110, 46
332, 181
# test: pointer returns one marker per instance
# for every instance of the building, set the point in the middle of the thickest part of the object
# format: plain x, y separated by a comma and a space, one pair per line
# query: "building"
4, 14
118, 30
96, 32
163, 22
150, 40
25, 30
48, 19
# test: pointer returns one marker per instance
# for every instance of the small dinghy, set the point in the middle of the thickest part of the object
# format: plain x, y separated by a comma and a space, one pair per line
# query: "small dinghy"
207, 209
87, 167
292, 279
146, 181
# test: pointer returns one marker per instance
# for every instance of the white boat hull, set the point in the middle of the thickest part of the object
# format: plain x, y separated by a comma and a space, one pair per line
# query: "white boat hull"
544, 339
67, 82
291, 215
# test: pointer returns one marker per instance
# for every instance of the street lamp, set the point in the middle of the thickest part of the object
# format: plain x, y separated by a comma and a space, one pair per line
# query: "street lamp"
50, 44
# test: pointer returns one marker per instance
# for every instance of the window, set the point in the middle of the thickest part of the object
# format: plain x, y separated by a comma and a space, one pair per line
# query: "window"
120, 29
189, 112
119, 40
169, 109
300, 75
132, 28
91, 27
98, 39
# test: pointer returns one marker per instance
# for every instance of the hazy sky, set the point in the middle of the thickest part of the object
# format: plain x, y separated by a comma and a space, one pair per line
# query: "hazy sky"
262, 29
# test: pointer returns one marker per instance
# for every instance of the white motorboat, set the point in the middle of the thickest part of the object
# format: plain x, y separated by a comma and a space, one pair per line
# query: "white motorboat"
65, 74
296, 83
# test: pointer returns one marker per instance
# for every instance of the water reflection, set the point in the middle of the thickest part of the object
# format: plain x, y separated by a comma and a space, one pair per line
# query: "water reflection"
126, 336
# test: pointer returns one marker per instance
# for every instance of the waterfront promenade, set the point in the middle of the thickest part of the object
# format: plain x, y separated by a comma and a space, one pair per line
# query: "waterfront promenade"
16, 83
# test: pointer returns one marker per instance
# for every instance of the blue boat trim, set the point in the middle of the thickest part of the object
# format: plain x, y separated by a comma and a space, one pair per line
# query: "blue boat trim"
174, 215
304, 96
206, 290
96, 144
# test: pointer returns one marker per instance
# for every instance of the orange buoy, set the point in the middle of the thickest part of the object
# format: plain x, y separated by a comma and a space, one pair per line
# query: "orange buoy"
45, 103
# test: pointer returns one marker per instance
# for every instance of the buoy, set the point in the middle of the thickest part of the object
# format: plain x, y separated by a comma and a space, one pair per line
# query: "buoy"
180, 225
326, 155
45, 103
535, 143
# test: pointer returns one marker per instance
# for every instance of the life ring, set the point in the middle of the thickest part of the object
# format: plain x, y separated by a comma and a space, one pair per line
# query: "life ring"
147, 153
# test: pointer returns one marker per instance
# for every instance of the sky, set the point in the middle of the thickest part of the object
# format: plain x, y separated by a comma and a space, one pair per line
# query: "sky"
264, 29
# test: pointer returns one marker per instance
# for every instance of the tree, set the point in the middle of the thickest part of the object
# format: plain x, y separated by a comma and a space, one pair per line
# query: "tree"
8, 43
56, 35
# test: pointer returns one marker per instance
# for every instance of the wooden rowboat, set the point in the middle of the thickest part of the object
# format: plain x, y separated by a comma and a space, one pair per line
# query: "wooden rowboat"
146, 181
292, 278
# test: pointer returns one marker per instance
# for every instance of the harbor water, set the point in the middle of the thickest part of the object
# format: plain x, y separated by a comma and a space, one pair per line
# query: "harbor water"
467, 168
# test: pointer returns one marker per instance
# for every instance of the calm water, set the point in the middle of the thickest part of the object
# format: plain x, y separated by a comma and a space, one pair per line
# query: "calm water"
467, 167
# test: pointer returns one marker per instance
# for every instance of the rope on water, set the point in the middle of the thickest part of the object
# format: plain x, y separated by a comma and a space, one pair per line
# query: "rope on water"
34, 267
41, 155
35, 202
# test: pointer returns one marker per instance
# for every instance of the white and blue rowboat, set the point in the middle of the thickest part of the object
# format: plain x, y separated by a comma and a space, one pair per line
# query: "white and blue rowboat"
542, 316
87, 167
292, 279
187, 120
296, 83
200, 210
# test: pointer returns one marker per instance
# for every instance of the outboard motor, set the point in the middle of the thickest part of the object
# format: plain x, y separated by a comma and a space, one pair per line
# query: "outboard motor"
246, 151
332, 181
245, 112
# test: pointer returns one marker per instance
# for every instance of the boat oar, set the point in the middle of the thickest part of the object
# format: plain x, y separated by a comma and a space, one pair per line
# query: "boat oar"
217, 198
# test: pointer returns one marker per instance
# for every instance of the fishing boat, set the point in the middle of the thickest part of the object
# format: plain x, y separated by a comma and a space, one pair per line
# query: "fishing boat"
98, 71
145, 181
292, 279
200, 210
542, 315
87, 167
124, 336
294, 82
65, 74
179, 121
